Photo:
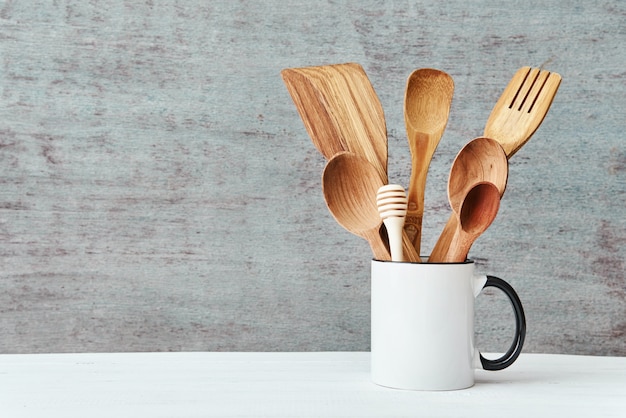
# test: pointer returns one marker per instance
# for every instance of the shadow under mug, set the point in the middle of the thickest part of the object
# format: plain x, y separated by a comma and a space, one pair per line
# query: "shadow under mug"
423, 325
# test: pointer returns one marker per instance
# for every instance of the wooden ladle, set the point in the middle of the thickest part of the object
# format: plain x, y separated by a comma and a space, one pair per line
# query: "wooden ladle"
475, 212
350, 184
427, 101
480, 160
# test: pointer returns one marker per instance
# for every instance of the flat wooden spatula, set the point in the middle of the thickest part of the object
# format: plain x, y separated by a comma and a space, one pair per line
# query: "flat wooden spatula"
340, 111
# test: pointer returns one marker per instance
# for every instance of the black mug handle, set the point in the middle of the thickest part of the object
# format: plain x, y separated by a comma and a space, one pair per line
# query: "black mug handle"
520, 327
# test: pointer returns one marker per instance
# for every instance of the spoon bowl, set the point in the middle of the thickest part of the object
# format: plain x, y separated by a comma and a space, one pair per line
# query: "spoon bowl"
477, 210
481, 160
350, 183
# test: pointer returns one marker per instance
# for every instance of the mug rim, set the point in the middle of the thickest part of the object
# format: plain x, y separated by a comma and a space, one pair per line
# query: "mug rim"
425, 262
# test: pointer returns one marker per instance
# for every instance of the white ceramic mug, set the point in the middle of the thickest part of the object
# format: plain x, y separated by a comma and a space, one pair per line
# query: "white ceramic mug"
423, 325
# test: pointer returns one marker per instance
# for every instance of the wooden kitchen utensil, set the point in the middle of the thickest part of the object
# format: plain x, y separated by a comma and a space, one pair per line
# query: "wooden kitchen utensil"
392, 202
427, 101
350, 184
480, 160
340, 111
474, 211
516, 116
521, 108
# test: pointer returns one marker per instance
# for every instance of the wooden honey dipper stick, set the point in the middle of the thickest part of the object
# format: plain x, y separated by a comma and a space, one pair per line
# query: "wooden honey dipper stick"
392, 205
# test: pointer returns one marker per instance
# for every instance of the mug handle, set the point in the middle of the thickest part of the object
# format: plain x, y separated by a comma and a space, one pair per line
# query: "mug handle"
520, 327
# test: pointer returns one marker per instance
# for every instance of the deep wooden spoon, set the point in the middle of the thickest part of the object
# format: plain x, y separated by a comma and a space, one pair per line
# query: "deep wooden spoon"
427, 101
350, 184
475, 212
480, 160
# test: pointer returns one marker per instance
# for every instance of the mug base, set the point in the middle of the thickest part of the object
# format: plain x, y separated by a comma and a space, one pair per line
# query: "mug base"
423, 388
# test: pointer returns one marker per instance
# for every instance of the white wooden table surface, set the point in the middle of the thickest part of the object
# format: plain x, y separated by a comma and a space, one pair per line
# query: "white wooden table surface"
328, 384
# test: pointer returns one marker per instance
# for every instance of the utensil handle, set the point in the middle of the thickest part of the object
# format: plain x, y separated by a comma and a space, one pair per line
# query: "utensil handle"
378, 245
415, 208
420, 161
409, 250
394, 231
459, 247
441, 248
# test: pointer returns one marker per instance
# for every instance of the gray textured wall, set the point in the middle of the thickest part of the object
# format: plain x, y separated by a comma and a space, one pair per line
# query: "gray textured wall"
158, 190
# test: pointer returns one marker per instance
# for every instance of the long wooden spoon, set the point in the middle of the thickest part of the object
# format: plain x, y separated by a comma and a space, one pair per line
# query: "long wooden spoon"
340, 111
480, 160
521, 108
475, 211
427, 101
350, 184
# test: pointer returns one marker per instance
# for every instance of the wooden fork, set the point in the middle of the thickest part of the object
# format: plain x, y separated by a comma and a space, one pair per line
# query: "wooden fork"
514, 119
521, 108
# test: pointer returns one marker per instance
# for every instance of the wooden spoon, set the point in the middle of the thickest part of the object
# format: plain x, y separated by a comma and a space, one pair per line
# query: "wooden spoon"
340, 111
521, 108
427, 101
480, 160
350, 183
475, 212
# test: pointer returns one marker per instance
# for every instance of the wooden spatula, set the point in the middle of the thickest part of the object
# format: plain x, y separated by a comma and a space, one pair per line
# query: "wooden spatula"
521, 108
340, 111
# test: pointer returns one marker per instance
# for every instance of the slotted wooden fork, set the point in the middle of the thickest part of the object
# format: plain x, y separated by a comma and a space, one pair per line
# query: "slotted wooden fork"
515, 117
522, 107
